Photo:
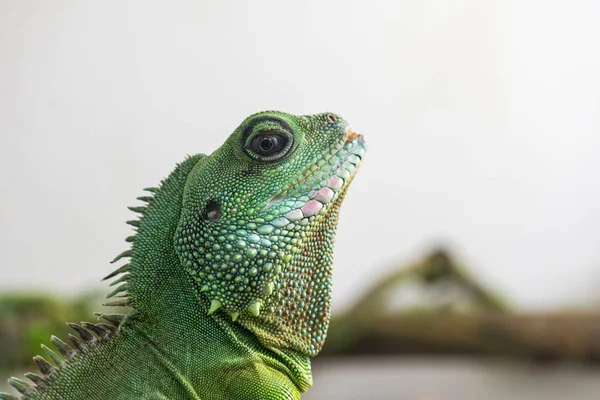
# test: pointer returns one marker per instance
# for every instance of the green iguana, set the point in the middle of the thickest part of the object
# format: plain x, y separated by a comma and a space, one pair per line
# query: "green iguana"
229, 274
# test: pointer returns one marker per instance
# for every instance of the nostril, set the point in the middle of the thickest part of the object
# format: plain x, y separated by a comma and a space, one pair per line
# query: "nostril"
331, 117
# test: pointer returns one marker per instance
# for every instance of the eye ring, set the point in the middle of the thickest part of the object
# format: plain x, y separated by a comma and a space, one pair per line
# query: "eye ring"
269, 145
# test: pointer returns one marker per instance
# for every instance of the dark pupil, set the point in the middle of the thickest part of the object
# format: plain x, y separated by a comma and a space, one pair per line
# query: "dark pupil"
268, 143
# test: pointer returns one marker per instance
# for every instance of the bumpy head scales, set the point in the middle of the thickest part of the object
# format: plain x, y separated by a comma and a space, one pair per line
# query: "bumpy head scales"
259, 219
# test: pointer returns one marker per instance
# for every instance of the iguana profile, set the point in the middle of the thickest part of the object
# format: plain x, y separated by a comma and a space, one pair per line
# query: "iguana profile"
229, 274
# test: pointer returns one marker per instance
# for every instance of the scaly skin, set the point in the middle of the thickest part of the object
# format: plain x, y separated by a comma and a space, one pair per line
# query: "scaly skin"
229, 277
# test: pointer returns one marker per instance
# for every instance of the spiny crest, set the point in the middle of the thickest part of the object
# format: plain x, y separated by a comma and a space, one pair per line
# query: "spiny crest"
120, 293
89, 336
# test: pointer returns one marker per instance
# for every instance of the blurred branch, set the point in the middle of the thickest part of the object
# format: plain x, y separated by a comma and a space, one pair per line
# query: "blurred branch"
436, 268
487, 326
538, 337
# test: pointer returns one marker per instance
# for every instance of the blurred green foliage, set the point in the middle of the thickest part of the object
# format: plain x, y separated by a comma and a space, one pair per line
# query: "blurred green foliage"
28, 319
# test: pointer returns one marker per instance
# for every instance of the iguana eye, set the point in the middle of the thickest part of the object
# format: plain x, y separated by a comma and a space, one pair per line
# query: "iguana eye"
270, 146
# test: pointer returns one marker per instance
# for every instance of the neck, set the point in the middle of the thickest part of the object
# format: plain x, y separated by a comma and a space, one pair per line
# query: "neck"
175, 318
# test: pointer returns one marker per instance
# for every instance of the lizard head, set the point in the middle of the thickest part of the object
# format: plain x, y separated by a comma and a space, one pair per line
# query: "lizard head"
258, 224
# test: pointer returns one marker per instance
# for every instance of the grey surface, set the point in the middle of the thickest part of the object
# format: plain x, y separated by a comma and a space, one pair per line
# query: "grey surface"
450, 379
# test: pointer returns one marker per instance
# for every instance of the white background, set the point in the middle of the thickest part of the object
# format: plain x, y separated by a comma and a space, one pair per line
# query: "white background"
482, 117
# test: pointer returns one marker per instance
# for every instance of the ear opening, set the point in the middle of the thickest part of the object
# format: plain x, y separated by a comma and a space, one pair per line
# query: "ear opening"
213, 210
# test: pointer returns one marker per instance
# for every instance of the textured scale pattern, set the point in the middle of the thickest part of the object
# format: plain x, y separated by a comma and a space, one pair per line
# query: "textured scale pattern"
228, 278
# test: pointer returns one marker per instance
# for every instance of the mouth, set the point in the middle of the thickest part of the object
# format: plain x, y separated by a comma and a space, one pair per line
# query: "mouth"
322, 185
351, 135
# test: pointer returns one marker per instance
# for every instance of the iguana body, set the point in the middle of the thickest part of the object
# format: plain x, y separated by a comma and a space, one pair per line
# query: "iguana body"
229, 274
